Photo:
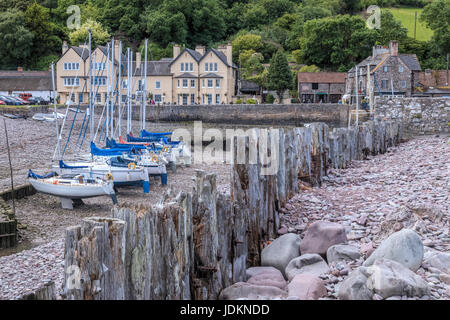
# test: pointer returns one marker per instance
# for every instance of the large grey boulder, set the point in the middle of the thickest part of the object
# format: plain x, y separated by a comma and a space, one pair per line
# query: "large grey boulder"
389, 278
437, 259
354, 286
281, 251
243, 290
321, 235
386, 278
310, 263
403, 246
342, 252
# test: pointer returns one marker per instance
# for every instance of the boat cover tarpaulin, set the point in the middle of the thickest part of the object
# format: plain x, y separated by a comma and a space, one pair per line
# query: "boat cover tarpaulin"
33, 175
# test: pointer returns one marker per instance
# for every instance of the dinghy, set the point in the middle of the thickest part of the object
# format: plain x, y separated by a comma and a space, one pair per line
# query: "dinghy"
71, 188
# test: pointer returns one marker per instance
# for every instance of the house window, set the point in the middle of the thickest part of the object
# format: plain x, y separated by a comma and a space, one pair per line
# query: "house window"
217, 83
192, 83
384, 84
215, 66
315, 86
385, 69
400, 68
185, 83
206, 67
210, 83
71, 66
209, 98
80, 97
125, 84
99, 81
203, 83
98, 97
71, 81
217, 98
178, 83
191, 66
403, 83
158, 98
106, 97
158, 84
192, 98
72, 97
211, 66
124, 98
182, 67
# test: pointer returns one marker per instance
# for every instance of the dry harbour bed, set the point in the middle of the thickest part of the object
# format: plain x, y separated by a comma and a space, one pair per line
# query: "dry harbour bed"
407, 187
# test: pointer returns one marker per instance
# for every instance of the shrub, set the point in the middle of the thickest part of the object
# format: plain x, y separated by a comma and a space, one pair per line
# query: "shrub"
239, 101
270, 98
251, 101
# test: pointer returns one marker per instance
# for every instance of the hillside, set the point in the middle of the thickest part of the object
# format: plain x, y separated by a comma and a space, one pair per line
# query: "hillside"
406, 16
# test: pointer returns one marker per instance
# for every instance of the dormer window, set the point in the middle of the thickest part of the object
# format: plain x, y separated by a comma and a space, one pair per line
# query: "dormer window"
191, 66
182, 67
400, 68
206, 67
215, 66
385, 69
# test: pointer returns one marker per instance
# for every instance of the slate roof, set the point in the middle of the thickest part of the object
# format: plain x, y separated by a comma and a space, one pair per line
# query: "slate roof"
411, 61
322, 77
210, 75
82, 52
155, 68
186, 75
248, 86
25, 81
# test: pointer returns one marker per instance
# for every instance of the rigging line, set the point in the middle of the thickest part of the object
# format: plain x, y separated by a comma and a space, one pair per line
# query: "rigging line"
59, 137
123, 107
96, 92
73, 122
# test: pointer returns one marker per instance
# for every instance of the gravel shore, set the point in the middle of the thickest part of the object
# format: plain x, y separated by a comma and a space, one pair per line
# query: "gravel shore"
408, 187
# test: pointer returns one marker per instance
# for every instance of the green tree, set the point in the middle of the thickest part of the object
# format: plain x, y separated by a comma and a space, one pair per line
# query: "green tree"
311, 68
99, 35
279, 77
37, 20
336, 43
246, 42
15, 38
390, 29
436, 15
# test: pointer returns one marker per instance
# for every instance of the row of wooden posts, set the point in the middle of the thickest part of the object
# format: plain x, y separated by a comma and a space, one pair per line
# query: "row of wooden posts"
194, 244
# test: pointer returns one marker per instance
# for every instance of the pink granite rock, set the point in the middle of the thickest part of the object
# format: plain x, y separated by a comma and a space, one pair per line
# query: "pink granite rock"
321, 235
307, 287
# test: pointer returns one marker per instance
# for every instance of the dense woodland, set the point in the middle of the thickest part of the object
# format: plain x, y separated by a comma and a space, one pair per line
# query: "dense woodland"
316, 34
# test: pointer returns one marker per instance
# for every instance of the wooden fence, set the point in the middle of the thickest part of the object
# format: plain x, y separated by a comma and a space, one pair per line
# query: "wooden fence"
194, 244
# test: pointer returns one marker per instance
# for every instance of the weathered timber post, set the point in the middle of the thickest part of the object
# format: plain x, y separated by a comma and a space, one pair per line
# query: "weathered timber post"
95, 260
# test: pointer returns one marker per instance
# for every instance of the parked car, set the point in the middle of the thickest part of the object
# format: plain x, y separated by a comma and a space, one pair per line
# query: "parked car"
2, 103
19, 99
9, 101
38, 101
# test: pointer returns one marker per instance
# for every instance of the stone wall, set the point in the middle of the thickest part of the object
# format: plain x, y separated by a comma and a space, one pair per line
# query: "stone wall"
194, 244
293, 114
418, 115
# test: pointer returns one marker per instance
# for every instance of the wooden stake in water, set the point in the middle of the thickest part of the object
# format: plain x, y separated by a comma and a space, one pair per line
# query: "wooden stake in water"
10, 168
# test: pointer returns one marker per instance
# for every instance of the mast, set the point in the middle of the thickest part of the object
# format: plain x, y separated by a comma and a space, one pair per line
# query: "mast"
108, 89
145, 86
58, 147
128, 90
357, 96
120, 88
91, 104
113, 49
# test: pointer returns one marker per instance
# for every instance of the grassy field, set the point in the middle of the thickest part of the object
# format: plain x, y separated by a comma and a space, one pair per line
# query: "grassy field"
406, 16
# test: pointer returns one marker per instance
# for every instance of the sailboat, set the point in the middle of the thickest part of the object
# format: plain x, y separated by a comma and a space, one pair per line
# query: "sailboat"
72, 188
